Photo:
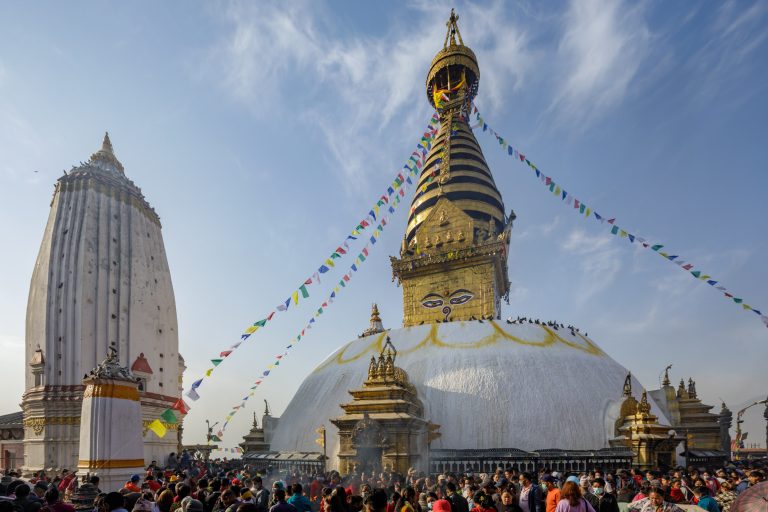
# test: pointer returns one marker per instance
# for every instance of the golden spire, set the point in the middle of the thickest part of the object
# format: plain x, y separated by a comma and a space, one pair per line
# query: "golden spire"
644, 407
376, 325
666, 376
453, 30
628, 385
457, 219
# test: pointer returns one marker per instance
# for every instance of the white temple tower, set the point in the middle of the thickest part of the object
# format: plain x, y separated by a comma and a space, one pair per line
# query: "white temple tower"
101, 281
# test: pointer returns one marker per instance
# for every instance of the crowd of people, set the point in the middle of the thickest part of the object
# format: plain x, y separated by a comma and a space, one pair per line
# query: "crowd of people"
230, 486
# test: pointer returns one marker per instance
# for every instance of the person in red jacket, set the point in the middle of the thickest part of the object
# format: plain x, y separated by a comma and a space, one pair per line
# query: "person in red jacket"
133, 484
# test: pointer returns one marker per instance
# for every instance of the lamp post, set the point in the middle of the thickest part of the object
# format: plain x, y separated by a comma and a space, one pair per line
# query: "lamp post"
765, 415
739, 421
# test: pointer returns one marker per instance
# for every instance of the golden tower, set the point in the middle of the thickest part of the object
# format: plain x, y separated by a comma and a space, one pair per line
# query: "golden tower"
453, 259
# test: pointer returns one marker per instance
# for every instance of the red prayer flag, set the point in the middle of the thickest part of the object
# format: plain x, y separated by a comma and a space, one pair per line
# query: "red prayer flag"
181, 406
225, 353
271, 315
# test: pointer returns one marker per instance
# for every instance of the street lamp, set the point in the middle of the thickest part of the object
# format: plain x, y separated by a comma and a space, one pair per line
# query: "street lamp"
209, 434
739, 421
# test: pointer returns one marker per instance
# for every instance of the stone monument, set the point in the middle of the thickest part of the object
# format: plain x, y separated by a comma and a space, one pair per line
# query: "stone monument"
111, 445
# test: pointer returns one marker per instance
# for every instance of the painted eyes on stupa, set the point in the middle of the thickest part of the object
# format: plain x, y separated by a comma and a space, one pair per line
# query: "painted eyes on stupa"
457, 298
435, 302
461, 297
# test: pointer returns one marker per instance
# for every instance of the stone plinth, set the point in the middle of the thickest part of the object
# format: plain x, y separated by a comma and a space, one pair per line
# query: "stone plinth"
111, 443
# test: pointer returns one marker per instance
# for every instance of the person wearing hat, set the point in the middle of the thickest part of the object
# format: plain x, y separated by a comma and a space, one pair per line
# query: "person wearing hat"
133, 484
553, 493
600, 499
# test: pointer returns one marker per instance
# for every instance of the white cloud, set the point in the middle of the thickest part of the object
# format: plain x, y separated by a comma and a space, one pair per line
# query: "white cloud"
601, 50
363, 85
598, 259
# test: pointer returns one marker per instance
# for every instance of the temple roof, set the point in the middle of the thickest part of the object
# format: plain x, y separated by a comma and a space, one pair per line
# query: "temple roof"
12, 420
141, 365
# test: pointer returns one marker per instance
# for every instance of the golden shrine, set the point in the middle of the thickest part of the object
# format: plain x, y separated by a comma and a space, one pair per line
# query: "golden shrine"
453, 259
383, 427
652, 443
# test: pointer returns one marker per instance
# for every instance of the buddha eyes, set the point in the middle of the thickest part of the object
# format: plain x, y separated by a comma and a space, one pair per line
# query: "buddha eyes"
433, 303
461, 299
457, 298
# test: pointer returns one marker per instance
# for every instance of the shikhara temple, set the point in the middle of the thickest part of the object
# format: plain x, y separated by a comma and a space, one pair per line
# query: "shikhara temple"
454, 388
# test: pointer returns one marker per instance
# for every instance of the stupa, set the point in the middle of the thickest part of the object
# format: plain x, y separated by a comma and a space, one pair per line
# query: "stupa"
489, 384
101, 282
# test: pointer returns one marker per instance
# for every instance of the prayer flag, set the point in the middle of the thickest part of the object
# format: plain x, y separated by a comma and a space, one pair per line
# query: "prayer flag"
655, 247
295, 297
197, 383
208, 372
323, 269
614, 230
181, 406
193, 395
303, 289
169, 417
158, 428
225, 353
216, 362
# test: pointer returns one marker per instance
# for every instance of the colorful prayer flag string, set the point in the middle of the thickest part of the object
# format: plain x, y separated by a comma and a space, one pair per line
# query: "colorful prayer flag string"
412, 172
582, 209
385, 202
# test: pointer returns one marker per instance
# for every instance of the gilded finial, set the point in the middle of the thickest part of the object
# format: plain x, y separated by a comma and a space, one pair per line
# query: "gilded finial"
372, 368
644, 407
628, 385
665, 382
681, 389
453, 30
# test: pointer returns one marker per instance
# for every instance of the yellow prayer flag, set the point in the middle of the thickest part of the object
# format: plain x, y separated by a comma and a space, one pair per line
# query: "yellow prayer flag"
158, 428
557, 190
623, 234
208, 373
747, 307
296, 297
589, 210
251, 330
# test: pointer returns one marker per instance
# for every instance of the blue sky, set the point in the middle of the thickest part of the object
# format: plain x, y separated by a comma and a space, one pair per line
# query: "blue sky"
262, 132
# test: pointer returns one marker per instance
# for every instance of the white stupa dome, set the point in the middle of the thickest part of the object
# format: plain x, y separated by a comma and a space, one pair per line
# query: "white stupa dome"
487, 384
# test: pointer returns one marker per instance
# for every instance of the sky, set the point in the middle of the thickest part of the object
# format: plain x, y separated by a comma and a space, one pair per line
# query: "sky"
262, 132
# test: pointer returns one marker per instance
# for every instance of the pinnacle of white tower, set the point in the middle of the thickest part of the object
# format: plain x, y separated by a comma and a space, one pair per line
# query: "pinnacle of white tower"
106, 155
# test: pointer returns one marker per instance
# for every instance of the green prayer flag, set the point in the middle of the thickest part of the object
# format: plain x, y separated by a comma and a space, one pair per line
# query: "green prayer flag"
614, 230
657, 247
215, 439
582, 207
261, 323
169, 417
696, 273
216, 362
737, 301
304, 292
